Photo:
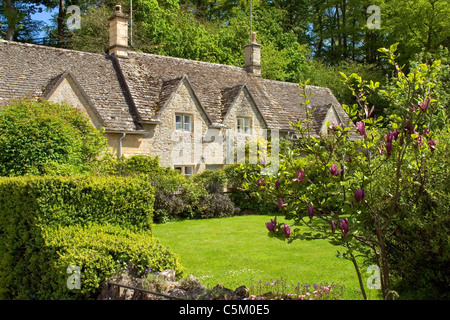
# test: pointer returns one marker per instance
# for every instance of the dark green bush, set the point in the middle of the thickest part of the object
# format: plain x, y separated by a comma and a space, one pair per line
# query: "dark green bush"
214, 181
218, 205
246, 199
46, 221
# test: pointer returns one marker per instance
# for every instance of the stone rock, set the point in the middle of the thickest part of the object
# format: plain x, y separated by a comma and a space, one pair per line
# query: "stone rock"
241, 292
168, 275
188, 288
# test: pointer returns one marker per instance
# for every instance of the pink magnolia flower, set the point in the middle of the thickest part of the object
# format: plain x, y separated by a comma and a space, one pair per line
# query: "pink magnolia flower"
359, 194
261, 182
280, 203
277, 184
333, 170
361, 126
272, 224
419, 140
432, 145
423, 105
311, 211
263, 161
344, 225
388, 148
286, 230
367, 112
335, 126
381, 148
299, 175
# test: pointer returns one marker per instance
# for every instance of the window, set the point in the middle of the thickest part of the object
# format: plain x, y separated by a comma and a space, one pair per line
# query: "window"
214, 166
185, 170
243, 125
183, 122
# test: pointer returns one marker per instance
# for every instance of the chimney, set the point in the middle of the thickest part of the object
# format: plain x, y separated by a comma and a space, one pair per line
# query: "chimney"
118, 33
252, 56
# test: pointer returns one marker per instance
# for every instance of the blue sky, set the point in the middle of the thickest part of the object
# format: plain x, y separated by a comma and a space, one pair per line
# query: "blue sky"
44, 16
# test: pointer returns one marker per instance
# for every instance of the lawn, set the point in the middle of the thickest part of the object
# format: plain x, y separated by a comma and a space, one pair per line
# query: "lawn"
238, 251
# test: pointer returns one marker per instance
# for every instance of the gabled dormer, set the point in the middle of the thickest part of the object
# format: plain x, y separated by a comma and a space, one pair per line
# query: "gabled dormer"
64, 88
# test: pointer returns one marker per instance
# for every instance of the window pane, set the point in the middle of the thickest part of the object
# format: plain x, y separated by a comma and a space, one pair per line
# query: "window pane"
188, 171
187, 123
246, 126
239, 125
179, 169
178, 122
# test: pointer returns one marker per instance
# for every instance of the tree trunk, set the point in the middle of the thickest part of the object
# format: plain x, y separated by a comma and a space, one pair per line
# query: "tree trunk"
11, 19
385, 283
61, 16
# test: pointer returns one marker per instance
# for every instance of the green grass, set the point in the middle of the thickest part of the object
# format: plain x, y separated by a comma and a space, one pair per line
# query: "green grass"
237, 251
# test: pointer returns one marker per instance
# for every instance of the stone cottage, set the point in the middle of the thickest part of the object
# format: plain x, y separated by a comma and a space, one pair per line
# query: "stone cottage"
189, 113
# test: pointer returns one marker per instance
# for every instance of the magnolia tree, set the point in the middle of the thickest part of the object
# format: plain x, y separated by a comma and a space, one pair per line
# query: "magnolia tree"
347, 186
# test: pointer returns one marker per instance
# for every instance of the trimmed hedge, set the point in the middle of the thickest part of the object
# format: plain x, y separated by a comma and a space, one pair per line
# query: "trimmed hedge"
91, 222
100, 252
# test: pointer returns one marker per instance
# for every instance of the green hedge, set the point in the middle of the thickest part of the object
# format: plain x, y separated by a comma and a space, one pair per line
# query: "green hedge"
92, 222
71, 200
99, 252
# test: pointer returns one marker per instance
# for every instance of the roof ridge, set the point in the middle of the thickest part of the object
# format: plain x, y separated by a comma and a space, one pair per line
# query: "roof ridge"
27, 44
188, 60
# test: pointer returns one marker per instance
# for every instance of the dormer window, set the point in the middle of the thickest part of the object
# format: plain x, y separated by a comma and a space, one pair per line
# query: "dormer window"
183, 122
243, 125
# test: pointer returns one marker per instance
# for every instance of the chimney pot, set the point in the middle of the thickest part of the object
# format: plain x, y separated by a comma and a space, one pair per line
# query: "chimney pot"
118, 33
252, 56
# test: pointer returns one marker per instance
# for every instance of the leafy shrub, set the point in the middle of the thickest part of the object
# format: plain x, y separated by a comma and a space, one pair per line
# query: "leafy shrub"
244, 195
218, 205
419, 250
142, 165
214, 181
70, 200
99, 250
47, 221
37, 136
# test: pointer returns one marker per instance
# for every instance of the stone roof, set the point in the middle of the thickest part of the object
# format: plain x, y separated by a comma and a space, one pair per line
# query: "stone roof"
127, 92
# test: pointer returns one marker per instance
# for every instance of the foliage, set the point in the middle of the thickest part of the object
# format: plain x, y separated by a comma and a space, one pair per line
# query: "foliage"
78, 200
218, 205
99, 251
345, 183
49, 223
245, 195
213, 180
281, 290
41, 137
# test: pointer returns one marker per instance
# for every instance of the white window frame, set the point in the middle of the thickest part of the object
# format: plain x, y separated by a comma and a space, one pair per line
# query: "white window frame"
243, 128
186, 170
183, 116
